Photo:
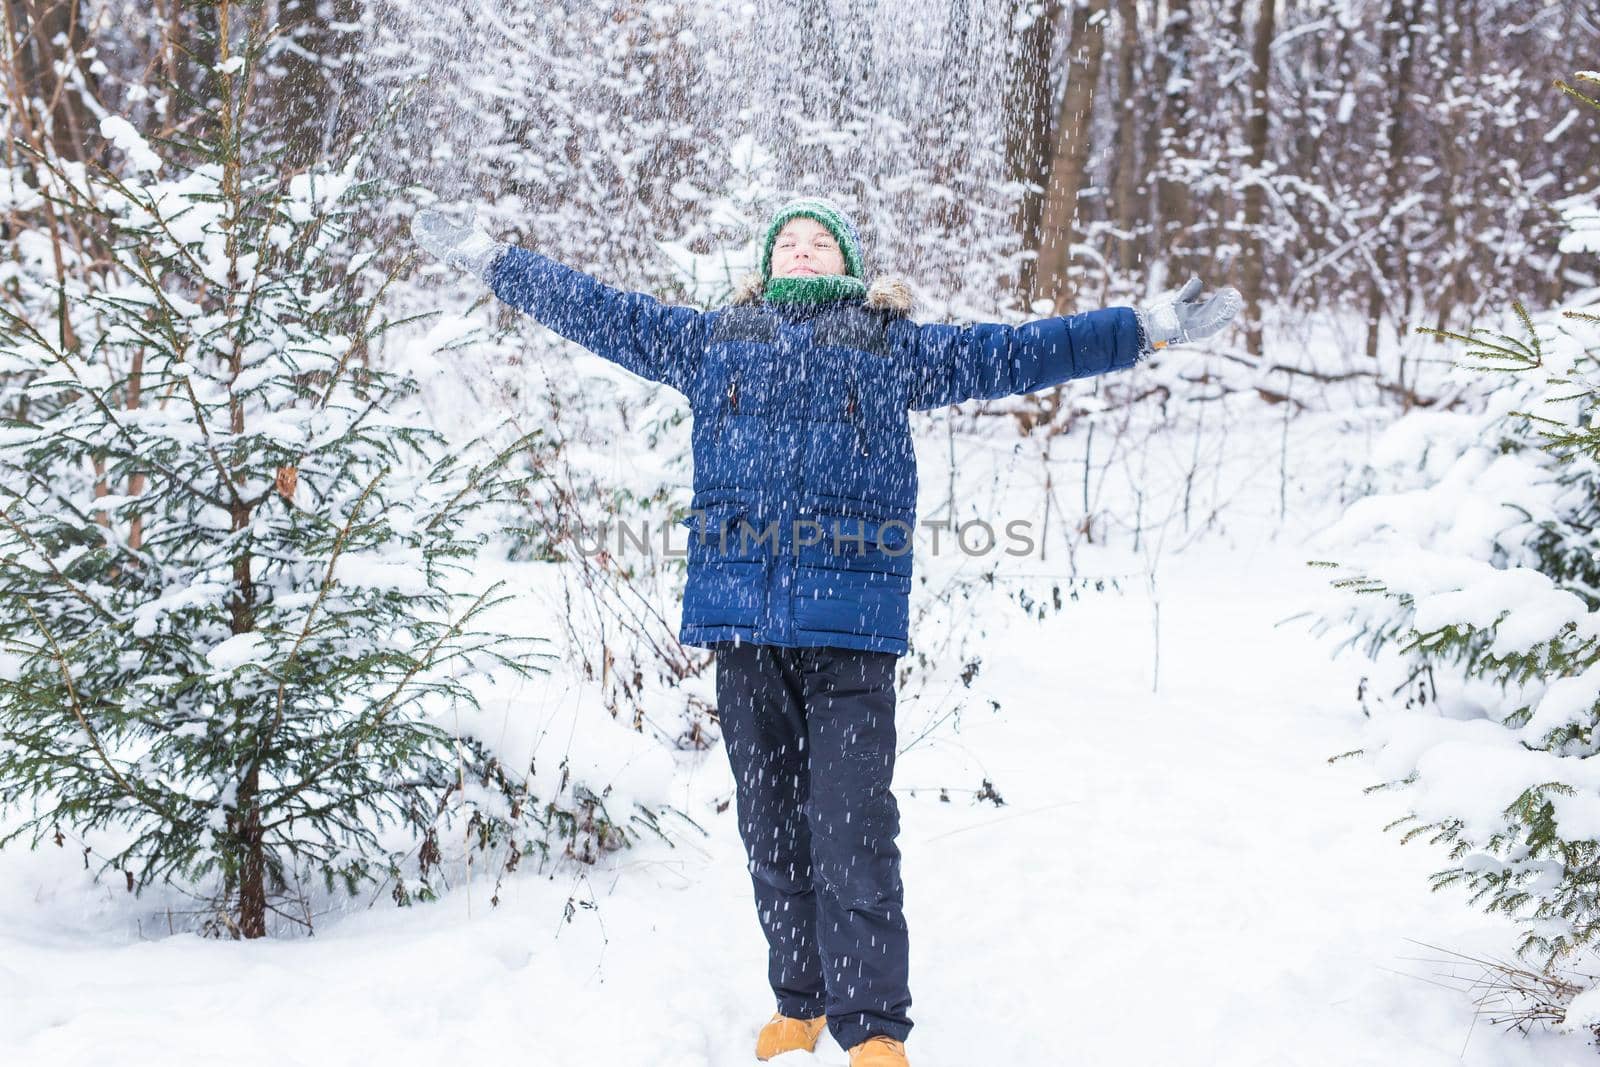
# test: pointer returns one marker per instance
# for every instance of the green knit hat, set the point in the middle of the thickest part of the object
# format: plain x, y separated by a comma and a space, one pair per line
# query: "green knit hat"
829, 214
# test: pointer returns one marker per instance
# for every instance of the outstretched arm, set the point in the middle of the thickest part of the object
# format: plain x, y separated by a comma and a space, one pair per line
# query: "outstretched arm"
661, 342
657, 341
956, 363
989, 360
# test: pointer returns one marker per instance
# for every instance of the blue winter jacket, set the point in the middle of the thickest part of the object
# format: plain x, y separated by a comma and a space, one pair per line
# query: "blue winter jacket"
805, 479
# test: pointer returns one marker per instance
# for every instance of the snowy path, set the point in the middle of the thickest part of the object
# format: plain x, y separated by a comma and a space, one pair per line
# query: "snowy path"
1176, 878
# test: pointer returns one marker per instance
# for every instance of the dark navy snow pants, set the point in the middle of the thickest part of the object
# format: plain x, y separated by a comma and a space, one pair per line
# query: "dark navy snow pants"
811, 738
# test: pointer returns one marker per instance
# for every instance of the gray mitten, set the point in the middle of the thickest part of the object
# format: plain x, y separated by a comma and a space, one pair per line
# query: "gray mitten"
463, 246
1183, 318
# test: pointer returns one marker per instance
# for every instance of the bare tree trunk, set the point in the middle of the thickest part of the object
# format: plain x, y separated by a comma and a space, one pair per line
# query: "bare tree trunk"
1399, 146
1395, 60
1069, 169
1451, 161
49, 55
1172, 196
1127, 199
842, 44
44, 42
1253, 275
953, 215
1029, 118
322, 38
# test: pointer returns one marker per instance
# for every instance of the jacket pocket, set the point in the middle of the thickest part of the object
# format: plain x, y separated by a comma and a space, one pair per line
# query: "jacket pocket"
854, 543
853, 534
716, 530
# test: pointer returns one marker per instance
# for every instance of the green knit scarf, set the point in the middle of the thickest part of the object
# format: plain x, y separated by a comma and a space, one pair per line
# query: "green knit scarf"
817, 289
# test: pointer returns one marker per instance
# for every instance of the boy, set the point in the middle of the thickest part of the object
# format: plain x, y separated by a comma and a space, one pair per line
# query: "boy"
799, 574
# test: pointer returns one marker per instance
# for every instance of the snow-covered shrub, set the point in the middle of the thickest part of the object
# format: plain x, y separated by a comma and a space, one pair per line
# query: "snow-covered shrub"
1479, 569
236, 616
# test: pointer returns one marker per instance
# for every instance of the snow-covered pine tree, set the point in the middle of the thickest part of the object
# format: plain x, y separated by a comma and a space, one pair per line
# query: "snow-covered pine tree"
1481, 569
230, 615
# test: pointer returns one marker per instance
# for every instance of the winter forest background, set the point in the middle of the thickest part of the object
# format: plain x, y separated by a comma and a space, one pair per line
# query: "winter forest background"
294, 621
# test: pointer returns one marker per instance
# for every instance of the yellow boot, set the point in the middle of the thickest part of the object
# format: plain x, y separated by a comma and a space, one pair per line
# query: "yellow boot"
880, 1050
783, 1034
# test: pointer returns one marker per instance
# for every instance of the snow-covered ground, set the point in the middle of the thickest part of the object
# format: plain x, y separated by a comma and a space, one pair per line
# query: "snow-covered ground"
1177, 876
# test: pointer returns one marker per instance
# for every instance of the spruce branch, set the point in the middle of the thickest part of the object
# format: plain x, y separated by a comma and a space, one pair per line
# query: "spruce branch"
224, 476
322, 595
361, 331
68, 583
383, 710
60, 659
477, 475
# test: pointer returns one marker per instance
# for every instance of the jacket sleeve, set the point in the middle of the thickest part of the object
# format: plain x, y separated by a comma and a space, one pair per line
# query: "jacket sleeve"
661, 342
986, 361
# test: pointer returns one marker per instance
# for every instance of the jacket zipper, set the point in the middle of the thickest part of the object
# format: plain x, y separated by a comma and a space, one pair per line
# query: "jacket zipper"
731, 396
852, 410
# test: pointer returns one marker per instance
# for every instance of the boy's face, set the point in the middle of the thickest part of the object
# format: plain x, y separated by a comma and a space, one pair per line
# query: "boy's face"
805, 249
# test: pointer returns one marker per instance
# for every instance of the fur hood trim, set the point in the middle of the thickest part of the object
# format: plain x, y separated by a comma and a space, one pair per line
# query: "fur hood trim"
884, 294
